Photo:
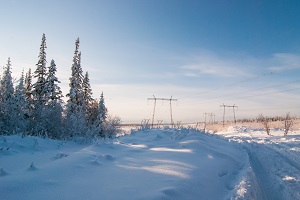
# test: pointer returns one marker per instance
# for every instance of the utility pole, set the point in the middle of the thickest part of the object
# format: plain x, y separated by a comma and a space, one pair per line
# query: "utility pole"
162, 99
210, 115
233, 107
153, 108
205, 117
213, 120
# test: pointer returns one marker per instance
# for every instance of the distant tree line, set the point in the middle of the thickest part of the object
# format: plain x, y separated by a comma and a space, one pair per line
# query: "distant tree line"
259, 119
287, 120
35, 106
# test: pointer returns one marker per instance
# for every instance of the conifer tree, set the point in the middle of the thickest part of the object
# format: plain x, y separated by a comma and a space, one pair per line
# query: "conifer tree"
88, 99
54, 92
39, 87
100, 122
75, 101
53, 108
39, 94
75, 113
20, 90
28, 84
28, 94
7, 88
93, 112
102, 108
20, 98
87, 90
7, 100
1, 109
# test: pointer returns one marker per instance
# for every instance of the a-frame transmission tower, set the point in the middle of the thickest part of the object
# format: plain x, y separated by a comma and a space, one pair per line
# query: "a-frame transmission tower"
233, 108
162, 99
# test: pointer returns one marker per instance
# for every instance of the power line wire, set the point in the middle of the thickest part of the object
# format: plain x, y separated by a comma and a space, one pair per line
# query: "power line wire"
291, 67
246, 91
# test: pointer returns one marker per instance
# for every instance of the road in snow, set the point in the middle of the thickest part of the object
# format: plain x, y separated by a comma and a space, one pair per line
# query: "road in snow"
274, 159
153, 164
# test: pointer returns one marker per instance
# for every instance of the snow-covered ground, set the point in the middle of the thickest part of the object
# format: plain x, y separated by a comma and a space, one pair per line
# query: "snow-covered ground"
274, 159
240, 163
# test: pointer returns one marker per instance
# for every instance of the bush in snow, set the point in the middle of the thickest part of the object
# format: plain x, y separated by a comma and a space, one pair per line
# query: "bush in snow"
288, 123
145, 124
265, 122
112, 127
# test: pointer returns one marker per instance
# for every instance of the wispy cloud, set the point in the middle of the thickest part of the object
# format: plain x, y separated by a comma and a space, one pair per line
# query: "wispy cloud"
211, 64
196, 70
233, 65
284, 61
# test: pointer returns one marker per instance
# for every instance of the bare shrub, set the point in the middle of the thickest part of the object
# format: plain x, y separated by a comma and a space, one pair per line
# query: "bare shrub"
265, 122
112, 127
288, 123
145, 124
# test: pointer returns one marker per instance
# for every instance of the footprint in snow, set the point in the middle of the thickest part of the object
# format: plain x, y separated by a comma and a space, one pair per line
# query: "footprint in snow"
95, 162
169, 191
223, 173
59, 156
50, 182
229, 187
32, 167
109, 157
3, 172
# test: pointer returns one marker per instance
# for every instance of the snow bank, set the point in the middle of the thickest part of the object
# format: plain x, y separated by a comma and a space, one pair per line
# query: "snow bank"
150, 164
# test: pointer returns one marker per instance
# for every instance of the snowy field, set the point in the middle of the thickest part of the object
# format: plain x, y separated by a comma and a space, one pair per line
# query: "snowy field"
240, 163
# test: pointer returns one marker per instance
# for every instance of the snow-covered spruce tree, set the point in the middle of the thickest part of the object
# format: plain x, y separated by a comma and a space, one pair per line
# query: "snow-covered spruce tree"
21, 106
28, 84
54, 92
88, 100
109, 125
1, 108
93, 113
75, 94
39, 87
75, 115
100, 122
28, 96
53, 108
102, 108
39, 92
7, 100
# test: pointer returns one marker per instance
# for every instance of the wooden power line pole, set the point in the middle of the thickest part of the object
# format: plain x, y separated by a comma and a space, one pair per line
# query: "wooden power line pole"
233, 107
162, 99
211, 119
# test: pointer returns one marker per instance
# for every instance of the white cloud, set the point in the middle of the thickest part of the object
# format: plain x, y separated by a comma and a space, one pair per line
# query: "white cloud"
207, 63
237, 65
196, 70
284, 61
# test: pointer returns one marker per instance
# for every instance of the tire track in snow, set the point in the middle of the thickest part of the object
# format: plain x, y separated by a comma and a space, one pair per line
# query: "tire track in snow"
272, 169
284, 150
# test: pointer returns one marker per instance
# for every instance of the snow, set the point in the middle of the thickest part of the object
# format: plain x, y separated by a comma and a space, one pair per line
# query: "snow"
274, 159
240, 163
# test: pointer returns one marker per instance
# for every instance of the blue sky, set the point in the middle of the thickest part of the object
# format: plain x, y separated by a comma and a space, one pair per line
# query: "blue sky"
204, 53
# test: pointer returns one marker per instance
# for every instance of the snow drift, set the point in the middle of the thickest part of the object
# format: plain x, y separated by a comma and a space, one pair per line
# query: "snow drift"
150, 164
